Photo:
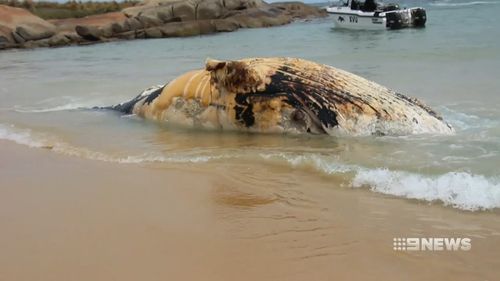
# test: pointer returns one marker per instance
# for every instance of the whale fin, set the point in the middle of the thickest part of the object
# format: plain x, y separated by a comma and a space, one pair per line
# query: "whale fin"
146, 97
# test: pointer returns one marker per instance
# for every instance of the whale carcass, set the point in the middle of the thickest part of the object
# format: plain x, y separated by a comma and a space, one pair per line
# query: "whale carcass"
284, 95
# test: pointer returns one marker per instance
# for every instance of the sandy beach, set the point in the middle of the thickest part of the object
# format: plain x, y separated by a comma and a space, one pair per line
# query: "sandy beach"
64, 218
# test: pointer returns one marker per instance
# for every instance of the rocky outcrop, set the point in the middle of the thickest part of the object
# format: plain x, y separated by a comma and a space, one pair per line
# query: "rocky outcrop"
176, 18
18, 26
152, 19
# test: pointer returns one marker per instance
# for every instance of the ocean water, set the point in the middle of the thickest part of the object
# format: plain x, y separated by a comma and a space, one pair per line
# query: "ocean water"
46, 96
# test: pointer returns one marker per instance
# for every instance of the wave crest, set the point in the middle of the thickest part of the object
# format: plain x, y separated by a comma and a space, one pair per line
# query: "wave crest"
460, 190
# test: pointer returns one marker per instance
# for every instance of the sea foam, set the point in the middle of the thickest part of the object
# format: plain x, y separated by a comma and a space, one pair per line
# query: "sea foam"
460, 190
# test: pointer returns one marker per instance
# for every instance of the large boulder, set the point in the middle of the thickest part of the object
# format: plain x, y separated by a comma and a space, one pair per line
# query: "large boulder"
6, 39
58, 40
209, 10
185, 10
153, 32
225, 25
89, 32
133, 23
42, 43
243, 4
25, 24
149, 21
18, 38
34, 32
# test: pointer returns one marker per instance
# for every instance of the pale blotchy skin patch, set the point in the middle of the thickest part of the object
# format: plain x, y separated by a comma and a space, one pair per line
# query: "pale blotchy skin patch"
287, 95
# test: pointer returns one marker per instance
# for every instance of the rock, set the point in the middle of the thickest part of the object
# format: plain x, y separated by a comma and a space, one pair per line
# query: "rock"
132, 12
165, 14
18, 38
140, 34
90, 33
206, 26
225, 25
69, 25
209, 10
243, 4
6, 38
72, 37
185, 10
25, 24
133, 23
181, 29
153, 32
106, 31
149, 21
118, 28
92, 28
34, 33
36, 44
4, 42
58, 40
128, 35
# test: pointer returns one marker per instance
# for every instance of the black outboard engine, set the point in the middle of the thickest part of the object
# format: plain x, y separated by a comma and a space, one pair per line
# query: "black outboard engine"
394, 20
418, 17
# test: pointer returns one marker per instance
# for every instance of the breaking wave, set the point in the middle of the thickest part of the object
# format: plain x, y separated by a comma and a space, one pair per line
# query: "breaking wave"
24, 137
457, 189
460, 190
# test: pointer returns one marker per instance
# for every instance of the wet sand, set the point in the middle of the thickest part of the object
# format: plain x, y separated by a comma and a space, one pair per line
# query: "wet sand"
65, 218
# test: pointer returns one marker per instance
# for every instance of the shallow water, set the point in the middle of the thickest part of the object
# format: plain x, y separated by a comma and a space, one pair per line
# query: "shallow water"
46, 96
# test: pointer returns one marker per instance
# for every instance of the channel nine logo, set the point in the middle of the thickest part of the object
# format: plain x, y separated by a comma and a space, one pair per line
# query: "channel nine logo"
431, 244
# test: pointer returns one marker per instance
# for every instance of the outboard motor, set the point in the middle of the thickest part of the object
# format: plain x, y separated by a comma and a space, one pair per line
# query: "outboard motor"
418, 17
394, 20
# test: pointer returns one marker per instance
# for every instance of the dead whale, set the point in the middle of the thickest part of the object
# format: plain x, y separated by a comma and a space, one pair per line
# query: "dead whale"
284, 95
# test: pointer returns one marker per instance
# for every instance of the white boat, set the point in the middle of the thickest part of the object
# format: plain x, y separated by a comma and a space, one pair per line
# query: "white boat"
353, 14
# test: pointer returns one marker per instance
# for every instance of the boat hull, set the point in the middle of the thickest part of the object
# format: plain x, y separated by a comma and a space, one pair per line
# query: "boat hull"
354, 21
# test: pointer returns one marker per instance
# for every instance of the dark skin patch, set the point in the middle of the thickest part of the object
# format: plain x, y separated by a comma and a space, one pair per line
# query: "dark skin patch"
244, 111
326, 116
128, 107
301, 95
151, 97
298, 94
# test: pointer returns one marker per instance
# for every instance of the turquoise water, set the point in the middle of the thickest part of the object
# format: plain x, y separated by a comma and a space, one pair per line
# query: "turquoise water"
452, 65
